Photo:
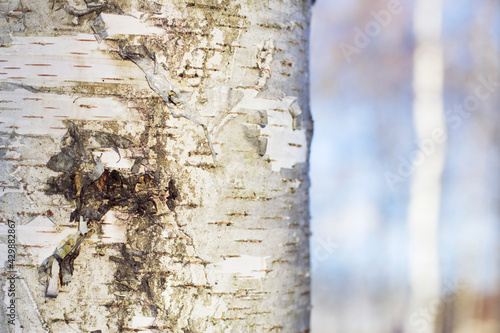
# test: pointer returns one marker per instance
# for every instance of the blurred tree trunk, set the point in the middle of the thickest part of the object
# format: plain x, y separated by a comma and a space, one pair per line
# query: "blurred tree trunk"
428, 162
162, 148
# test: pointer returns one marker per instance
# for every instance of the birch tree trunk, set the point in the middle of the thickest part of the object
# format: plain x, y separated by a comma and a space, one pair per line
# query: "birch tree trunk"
154, 166
428, 162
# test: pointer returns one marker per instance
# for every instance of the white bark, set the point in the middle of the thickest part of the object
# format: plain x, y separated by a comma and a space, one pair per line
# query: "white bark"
198, 112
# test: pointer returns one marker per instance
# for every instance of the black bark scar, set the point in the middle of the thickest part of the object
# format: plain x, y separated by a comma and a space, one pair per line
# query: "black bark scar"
130, 191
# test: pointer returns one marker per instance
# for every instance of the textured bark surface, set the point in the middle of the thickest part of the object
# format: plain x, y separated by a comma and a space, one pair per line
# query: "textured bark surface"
179, 133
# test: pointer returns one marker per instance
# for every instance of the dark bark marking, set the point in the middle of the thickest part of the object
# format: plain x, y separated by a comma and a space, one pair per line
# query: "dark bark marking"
94, 194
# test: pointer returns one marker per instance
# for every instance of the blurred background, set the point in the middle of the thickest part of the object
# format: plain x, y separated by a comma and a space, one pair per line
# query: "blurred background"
405, 166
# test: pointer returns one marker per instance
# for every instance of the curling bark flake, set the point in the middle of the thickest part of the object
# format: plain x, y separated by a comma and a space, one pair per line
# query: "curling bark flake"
112, 114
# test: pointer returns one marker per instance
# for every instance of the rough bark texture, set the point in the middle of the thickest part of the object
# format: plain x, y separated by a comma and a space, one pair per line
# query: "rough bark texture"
179, 132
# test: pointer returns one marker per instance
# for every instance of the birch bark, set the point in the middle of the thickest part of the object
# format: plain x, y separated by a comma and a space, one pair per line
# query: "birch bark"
171, 139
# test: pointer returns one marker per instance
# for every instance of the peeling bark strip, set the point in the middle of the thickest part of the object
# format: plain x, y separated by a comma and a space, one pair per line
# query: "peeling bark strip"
124, 218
